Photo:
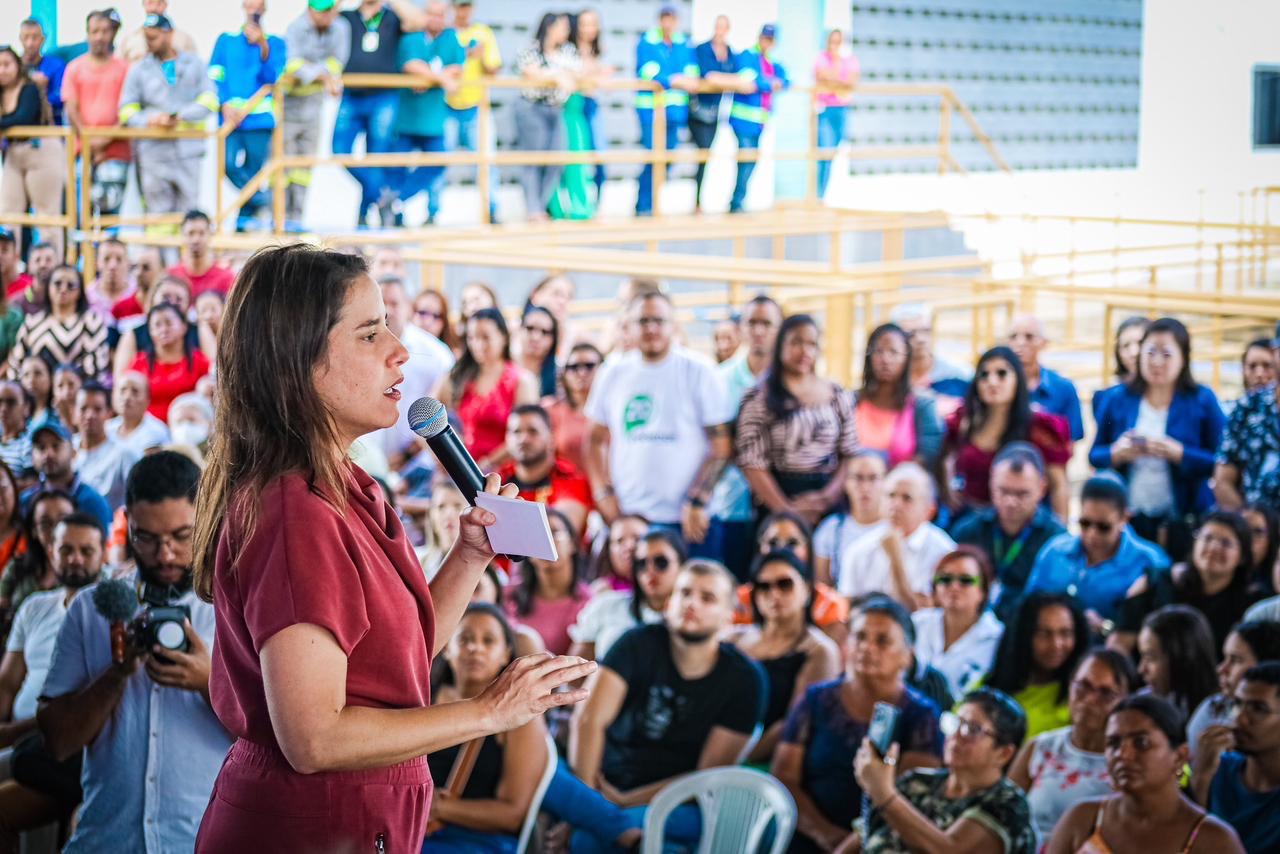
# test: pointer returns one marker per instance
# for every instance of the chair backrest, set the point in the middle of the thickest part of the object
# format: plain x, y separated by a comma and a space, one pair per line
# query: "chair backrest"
737, 804
531, 818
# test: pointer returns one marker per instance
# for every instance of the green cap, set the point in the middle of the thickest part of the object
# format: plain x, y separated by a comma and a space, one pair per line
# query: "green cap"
321, 5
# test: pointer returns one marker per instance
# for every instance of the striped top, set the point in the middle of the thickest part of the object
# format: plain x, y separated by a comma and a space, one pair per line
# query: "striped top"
809, 439
81, 342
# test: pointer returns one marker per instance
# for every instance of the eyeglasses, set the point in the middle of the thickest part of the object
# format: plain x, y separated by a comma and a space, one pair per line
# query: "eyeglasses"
997, 373
152, 542
888, 353
651, 321
581, 367
964, 580
658, 563
953, 724
65, 285
540, 330
1213, 540
428, 314
1100, 527
1158, 353
1086, 688
782, 585
792, 543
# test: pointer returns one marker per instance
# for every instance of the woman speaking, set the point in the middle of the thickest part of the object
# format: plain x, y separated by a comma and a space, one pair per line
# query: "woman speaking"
326, 626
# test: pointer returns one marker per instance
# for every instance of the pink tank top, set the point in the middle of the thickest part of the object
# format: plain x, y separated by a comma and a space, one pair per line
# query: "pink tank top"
484, 419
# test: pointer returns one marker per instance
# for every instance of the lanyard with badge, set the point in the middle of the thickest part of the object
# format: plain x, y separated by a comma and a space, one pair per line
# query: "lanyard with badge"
1007, 553
370, 41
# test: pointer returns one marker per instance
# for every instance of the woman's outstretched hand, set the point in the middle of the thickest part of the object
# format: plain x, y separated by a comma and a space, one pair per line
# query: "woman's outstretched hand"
527, 688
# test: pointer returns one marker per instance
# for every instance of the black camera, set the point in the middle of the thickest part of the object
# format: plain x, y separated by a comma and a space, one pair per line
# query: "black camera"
160, 622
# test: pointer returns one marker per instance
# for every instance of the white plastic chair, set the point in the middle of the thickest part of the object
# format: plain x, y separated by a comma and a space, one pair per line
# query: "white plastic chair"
737, 807
531, 818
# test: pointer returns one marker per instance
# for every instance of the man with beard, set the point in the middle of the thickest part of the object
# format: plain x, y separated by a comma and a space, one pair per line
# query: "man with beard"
152, 745
537, 472
78, 550
669, 698
53, 457
1242, 786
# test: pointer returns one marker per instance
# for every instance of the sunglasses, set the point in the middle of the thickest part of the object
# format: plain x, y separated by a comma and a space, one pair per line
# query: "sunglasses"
1100, 527
963, 580
782, 585
658, 563
998, 373
775, 543
581, 367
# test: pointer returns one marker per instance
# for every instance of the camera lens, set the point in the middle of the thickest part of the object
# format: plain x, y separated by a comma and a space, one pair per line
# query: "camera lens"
170, 635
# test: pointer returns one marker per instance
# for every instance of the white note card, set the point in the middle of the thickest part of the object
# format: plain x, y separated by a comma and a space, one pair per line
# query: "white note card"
521, 529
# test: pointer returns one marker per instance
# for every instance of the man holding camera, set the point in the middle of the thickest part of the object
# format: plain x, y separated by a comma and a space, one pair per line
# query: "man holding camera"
152, 745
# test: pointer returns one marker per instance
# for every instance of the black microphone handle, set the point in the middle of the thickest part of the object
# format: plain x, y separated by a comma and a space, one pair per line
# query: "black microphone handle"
457, 461
461, 468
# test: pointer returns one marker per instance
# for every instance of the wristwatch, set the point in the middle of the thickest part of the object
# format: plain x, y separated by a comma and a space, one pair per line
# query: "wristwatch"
695, 501
603, 492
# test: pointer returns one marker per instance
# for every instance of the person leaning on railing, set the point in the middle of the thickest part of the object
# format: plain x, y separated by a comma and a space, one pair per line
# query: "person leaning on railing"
33, 171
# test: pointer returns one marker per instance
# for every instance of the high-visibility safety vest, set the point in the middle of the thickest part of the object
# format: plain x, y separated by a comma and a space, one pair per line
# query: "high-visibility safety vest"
658, 60
238, 70
747, 113
183, 91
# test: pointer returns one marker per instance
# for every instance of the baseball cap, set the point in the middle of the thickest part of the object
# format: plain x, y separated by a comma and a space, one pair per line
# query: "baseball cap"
321, 5
54, 427
462, 2
6, 234
158, 22
769, 31
668, 9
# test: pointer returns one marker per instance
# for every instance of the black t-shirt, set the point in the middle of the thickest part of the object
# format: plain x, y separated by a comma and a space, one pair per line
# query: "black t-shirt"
384, 39
665, 719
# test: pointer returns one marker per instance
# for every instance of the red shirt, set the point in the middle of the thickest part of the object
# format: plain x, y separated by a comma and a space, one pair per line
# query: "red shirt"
127, 307
1049, 433
563, 483
216, 278
484, 419
18, 285
168, 380
354, 574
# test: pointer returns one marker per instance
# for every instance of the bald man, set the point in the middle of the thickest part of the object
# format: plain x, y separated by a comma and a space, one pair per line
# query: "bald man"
1052, 392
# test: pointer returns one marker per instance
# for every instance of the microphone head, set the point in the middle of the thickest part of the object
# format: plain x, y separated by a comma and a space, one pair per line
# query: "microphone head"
428, 417
115, 600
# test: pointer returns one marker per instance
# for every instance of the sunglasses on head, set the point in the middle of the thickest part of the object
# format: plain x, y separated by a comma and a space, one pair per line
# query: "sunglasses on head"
1100, 527
581, 367
658, 563
782, 585
964, 580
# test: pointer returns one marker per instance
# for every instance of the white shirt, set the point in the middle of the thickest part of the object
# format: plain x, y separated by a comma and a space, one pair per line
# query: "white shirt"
968, 659
865, 566
429, 360
35, 635
151, 433
106, 468
1150, 481
656, 413
834, 536
606, 618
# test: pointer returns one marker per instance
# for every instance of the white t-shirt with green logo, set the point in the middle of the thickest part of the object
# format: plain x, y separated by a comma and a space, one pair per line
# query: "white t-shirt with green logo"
656, 413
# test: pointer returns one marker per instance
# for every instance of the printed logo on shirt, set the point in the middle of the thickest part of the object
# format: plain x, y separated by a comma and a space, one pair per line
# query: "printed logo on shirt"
661, 711
638, 412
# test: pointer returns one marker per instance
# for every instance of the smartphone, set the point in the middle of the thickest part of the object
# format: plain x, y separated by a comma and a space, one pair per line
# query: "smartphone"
884, 724
256, 17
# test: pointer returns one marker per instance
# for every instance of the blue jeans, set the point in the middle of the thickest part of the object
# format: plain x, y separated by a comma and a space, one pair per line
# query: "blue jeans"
452, 838
732, 543
683, 829
597, 822
374, 115
247, 150
416, 179
745, 168
644, 193
460, 134
830, 134
595, 125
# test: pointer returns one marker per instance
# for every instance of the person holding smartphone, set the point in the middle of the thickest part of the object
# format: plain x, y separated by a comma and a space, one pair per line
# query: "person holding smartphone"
966, 805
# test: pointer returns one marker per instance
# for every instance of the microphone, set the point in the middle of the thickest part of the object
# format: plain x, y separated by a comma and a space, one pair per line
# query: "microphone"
429, 419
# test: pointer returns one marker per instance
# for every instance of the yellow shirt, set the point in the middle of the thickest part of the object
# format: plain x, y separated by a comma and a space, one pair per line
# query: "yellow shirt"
468, 93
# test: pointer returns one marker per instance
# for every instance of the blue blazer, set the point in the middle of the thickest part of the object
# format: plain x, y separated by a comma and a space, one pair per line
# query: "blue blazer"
1195, 420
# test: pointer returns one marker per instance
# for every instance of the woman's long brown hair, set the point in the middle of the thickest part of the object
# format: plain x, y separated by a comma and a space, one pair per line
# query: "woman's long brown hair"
269, 419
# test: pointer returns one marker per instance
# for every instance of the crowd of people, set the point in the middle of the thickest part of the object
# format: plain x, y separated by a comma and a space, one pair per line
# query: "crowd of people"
755, 555
157, 79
